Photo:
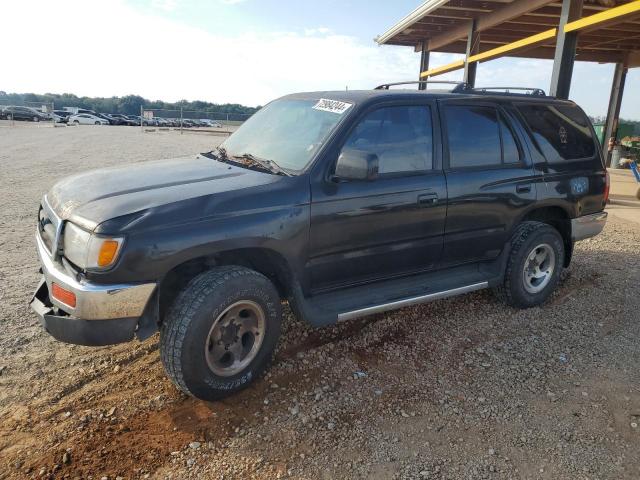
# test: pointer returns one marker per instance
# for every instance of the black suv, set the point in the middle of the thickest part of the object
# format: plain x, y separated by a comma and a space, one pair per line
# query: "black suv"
344, 204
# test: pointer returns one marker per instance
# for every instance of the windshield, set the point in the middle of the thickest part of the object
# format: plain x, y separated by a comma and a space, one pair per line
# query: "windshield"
287, 132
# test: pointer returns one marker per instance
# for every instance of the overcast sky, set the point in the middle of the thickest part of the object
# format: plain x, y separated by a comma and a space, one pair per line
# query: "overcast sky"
239, 51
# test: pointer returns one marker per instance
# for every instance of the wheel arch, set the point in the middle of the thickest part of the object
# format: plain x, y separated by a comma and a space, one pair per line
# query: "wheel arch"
557, 217
268, 262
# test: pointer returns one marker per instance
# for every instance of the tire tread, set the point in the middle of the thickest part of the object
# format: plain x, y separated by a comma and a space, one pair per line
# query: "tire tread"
176, 323
504, 291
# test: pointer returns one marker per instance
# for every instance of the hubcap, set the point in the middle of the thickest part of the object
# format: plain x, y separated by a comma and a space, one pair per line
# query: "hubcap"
538, 268
235, 338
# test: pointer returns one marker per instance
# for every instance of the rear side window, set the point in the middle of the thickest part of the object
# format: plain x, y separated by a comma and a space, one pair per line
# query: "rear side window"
561, 131
401, 137
479, 136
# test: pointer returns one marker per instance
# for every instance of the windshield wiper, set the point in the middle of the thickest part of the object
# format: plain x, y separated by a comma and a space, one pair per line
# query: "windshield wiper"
263, 163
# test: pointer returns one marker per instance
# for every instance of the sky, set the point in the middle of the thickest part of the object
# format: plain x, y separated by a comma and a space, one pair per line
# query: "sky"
240, 51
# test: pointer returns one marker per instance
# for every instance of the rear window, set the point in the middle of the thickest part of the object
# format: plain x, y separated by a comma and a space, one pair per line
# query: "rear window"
561, 131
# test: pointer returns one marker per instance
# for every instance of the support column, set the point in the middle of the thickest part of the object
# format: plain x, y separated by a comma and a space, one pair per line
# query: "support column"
473, 47
613, 112
565, 50
424, 64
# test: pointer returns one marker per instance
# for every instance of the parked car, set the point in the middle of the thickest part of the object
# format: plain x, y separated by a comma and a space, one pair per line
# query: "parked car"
108, 118
62, 115
134, 119
124, 119
24, 113
87, 119
345, 204
210, 123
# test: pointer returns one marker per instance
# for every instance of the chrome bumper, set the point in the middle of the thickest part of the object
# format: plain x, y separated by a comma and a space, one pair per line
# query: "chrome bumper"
94, 301
588, 226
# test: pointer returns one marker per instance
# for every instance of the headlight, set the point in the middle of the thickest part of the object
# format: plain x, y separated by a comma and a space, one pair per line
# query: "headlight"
87, 250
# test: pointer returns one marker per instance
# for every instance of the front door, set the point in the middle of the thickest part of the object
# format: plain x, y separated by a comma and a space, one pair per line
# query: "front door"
367, 230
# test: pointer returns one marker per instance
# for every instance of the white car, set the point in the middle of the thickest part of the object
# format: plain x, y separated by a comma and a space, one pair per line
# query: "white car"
211, 123
86, 119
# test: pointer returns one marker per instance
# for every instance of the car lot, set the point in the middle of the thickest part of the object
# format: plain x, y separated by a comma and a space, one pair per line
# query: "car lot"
461, 388
79, 116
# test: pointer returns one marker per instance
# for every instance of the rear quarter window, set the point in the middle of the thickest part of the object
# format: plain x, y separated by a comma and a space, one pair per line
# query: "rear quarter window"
562, 132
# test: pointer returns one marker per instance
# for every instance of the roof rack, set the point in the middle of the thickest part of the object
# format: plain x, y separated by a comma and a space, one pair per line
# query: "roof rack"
459, 86
536, 92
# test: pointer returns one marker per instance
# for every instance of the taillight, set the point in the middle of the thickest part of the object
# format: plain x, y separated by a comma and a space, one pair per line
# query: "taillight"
607, 186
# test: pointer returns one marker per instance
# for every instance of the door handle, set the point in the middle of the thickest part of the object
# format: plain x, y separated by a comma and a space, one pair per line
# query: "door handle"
523, 188
427, 199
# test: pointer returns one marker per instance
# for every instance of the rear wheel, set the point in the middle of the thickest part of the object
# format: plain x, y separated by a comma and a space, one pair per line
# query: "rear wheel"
221, 332
36, 119
97, 123
534, 265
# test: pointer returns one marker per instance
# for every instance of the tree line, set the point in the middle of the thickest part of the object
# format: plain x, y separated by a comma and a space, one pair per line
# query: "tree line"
128, 105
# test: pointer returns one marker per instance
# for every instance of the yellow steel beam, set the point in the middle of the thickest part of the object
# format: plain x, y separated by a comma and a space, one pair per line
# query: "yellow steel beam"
517, 45
443, 69
610, 15
605, 17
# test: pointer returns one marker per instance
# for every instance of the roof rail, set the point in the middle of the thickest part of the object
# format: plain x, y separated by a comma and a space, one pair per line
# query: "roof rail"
536, 92
459, 86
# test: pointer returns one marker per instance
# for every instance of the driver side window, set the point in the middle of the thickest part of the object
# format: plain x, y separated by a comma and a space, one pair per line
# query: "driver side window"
401, 137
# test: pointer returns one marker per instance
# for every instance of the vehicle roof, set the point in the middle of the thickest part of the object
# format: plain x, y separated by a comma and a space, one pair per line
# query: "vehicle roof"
364, 96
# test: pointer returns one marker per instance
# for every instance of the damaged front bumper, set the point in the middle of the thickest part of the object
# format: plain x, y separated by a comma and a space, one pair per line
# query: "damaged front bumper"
102, 314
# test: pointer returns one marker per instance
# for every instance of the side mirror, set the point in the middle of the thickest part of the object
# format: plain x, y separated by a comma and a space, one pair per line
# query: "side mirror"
357, 165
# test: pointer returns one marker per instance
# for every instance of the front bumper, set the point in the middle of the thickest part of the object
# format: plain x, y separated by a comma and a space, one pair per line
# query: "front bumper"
103, 314
588, 226
68, 329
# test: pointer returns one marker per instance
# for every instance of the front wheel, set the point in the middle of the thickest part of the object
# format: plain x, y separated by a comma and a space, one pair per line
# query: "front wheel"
533, 269
76, 122
36, 119
221, 332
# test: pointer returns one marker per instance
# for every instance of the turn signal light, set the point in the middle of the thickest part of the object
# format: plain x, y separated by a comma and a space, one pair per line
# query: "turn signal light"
107, 252
63, 295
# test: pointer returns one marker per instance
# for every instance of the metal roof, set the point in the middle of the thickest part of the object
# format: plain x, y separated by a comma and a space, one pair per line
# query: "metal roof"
444, 24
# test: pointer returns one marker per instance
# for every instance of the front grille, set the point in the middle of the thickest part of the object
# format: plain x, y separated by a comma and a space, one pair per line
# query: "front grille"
46, 229
49, 228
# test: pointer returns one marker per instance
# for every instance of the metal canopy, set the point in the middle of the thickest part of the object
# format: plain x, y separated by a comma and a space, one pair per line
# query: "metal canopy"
443, 26
606, 31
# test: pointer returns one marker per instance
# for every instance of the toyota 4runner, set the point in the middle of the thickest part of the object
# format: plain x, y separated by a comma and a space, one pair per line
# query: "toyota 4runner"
344, 204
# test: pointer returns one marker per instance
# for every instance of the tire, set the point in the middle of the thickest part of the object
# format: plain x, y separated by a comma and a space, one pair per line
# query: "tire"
76, 122
36, 119
533, 269
193, 337
97, 123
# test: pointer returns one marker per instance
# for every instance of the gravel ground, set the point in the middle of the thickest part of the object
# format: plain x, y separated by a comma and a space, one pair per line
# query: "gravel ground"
463, 388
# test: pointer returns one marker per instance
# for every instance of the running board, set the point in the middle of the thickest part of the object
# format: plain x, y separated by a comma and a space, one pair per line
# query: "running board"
407, 302
342, 304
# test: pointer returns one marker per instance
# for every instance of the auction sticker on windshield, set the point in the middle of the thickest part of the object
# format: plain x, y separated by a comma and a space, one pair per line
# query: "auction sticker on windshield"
333, 106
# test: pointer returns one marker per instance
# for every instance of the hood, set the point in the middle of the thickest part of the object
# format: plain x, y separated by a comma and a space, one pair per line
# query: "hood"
90, 198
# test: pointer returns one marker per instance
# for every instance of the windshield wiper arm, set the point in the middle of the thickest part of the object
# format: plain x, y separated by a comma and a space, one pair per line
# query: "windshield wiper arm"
268, 165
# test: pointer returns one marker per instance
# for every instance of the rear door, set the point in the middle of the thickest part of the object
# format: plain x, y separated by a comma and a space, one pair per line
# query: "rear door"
490, 180
367, 230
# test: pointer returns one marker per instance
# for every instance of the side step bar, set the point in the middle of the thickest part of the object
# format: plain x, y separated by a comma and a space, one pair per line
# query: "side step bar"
406, 302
